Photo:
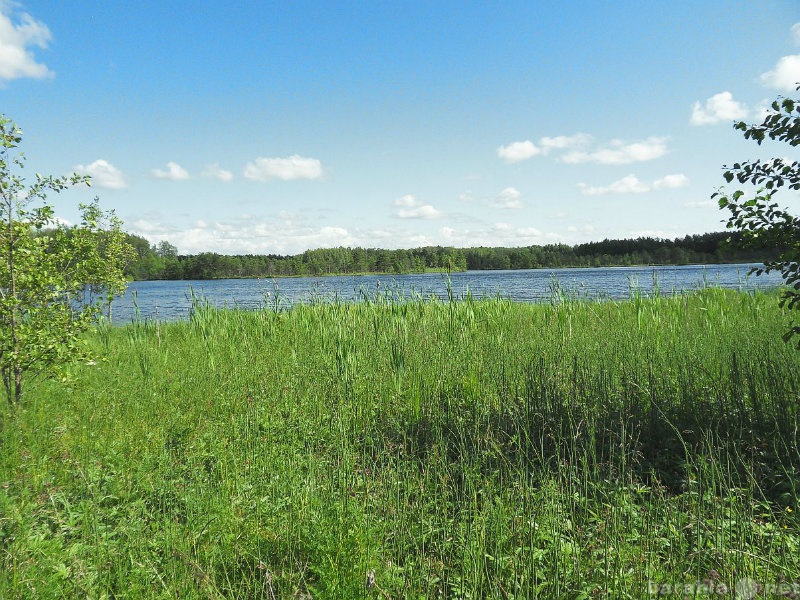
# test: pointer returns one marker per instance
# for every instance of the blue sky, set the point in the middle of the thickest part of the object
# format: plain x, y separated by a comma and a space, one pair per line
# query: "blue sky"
275, 127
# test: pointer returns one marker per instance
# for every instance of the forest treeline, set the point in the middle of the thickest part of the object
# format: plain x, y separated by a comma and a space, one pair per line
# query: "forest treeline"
162, 261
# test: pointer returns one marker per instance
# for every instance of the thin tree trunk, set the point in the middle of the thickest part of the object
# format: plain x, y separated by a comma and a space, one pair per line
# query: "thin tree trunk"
16, 372
17, 383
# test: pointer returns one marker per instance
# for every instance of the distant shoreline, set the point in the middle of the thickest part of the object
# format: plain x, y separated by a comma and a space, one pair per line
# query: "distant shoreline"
445, 271
162, 261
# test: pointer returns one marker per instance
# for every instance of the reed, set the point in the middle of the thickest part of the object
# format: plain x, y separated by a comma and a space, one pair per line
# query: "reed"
397, 448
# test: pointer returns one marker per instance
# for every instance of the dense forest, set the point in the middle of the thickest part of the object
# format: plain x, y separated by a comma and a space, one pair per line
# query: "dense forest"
162, 261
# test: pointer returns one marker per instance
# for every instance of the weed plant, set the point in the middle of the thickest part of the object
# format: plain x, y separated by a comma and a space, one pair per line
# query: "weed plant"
397, 448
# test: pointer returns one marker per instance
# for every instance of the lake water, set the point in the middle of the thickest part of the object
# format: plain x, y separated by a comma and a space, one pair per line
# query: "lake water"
170, 300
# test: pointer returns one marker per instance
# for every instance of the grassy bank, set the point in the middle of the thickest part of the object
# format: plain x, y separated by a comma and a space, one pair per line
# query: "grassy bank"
413, 450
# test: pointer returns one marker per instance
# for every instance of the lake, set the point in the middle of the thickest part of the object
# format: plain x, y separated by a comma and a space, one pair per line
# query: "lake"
171, 300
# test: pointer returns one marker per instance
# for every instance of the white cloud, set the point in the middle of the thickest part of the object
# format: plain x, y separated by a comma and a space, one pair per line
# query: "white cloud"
677, 180
620, 153
631, 184
575, 149
529, 232
518, 151
785, 75
150, 228
174, 171
16, 59
282, 233
408, 200
215, 172
719, 107
701, 204
293, 167
496, 234
562, 142
103, 174
426, 211
508, 198
510, 232
59, 222
411, 208
273, 234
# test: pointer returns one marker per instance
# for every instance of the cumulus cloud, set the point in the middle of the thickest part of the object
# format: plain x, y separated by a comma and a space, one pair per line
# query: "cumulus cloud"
518, 151
627, 185
631, 184
719, 107
279, 233
785, 75
508, 198
293, 167
174, 172
496, 234
677, 180
531, 232
16, 58
619, 152
293, 233
150, 228
215, 172
103, 174
60, 222
563, 142
426, 211
510, 231
411, 208
577, 148
408, 200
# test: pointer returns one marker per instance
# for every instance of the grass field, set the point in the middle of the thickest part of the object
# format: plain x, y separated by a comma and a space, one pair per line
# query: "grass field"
414, 449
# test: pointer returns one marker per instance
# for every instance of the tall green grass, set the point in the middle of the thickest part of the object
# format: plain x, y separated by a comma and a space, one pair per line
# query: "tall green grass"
413, 449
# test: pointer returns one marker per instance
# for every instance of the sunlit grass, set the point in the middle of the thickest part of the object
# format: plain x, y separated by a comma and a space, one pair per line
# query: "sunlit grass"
412, 449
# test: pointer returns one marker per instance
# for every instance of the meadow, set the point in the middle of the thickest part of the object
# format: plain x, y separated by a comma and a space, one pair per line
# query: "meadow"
396, 448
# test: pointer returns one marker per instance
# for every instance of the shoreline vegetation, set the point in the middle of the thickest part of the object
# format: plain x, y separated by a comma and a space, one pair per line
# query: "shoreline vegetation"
162, 261
414, 449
